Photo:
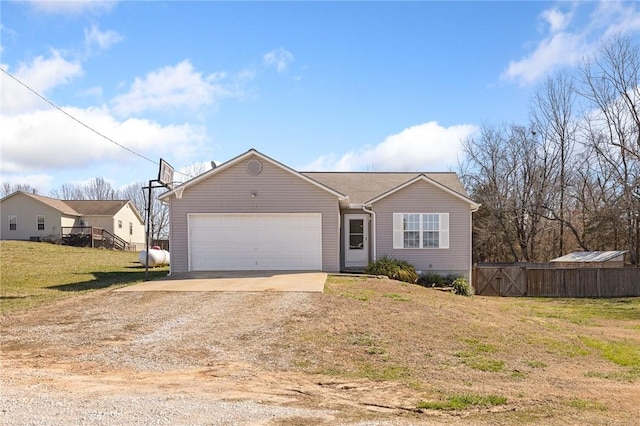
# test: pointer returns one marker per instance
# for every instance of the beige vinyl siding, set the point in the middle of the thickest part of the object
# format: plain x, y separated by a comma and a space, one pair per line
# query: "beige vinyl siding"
423, 197
27, 210
127, 215
276, 191
103, 222
69, 221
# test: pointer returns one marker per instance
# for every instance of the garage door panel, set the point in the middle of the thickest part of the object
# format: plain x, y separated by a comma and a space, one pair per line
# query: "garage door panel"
256, 242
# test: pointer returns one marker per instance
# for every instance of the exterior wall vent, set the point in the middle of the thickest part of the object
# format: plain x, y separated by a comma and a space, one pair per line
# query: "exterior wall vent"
254, 167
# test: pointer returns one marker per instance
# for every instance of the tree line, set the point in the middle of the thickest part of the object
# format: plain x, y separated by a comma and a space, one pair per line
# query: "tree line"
569, 179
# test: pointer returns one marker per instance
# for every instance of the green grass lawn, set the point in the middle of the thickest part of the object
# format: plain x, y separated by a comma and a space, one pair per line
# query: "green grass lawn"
35, 273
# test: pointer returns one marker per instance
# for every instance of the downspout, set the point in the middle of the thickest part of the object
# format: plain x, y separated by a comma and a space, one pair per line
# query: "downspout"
373, 231
473, 210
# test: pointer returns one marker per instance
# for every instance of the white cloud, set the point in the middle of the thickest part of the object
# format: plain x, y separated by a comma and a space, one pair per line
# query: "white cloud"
617, 18
49, 140
171, 87
560, 49
424, 147
567, 41
279, 58
73, 7
103, 39
557, 19
41, 74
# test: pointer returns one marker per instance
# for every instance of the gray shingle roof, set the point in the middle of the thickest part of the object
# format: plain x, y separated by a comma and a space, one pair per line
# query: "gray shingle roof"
96, 207
364, 186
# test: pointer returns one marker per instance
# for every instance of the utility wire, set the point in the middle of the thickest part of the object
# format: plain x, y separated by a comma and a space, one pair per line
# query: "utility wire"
78, 121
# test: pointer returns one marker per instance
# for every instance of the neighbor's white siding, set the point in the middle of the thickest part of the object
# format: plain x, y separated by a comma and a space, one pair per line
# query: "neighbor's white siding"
137, 239
423, 197
276, 191
26, 210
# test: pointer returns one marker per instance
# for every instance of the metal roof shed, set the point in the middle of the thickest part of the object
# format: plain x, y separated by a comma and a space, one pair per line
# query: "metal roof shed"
591, 259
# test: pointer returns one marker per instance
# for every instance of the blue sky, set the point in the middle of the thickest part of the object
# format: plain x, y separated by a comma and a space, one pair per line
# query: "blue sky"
316, 85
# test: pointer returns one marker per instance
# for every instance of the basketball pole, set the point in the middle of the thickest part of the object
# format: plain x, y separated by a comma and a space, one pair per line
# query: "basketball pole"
165, 179
146, 262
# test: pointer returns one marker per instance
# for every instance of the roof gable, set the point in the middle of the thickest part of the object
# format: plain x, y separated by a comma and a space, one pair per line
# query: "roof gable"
369, 187
422, 177
252, 152
55, 203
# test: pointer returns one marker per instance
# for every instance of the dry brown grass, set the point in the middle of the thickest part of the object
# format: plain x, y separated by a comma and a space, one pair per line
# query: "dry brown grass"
537, 359
369, 349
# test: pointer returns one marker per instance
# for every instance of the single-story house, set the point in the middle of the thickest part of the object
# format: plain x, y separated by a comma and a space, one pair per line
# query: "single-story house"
27, 216
591, 259
255, 213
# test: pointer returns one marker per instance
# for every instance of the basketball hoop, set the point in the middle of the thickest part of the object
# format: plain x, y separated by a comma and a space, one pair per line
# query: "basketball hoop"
165, 174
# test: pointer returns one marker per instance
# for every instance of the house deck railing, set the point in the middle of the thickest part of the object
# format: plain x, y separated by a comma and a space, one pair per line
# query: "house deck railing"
92, 236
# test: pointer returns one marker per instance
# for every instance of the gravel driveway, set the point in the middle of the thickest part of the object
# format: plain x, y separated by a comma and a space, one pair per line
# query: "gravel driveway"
155, 358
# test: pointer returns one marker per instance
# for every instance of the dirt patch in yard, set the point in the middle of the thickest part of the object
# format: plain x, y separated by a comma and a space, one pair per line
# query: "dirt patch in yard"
364, 352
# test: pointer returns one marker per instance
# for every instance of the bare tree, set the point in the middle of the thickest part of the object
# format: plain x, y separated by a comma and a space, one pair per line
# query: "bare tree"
611, 88
10, 188
99, 189
68, 191
509, 173
554, 120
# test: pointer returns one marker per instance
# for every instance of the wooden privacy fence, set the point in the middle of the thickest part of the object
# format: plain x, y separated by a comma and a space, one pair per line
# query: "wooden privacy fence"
540, 281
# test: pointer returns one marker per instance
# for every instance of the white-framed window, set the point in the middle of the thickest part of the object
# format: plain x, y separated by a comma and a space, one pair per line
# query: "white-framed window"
130, 228
421, 230
13, 223
119, 224
40, 222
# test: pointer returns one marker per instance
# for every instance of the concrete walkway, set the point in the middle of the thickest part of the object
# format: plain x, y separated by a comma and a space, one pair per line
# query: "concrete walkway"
236, 281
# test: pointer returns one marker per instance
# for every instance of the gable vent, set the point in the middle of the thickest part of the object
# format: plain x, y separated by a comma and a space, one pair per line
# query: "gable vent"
254, 167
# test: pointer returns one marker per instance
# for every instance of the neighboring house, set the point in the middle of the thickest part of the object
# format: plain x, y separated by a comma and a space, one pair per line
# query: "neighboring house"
28, 216
254, 213
591, 259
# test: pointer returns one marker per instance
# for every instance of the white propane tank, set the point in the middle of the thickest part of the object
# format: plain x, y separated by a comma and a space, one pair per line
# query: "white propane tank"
156, 257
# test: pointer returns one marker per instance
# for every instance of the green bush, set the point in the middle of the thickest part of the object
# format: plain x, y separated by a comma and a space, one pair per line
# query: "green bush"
393, 268
431, 279
461, 286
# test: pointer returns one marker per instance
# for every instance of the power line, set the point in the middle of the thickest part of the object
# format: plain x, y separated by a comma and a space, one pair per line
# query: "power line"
78, 121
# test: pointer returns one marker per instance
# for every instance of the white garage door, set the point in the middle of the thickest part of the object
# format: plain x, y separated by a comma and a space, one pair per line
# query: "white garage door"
232, 242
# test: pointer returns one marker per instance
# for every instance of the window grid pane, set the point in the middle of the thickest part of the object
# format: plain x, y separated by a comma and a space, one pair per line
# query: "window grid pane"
430, 239
412, 239
411, 222
430, 222
40, 223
